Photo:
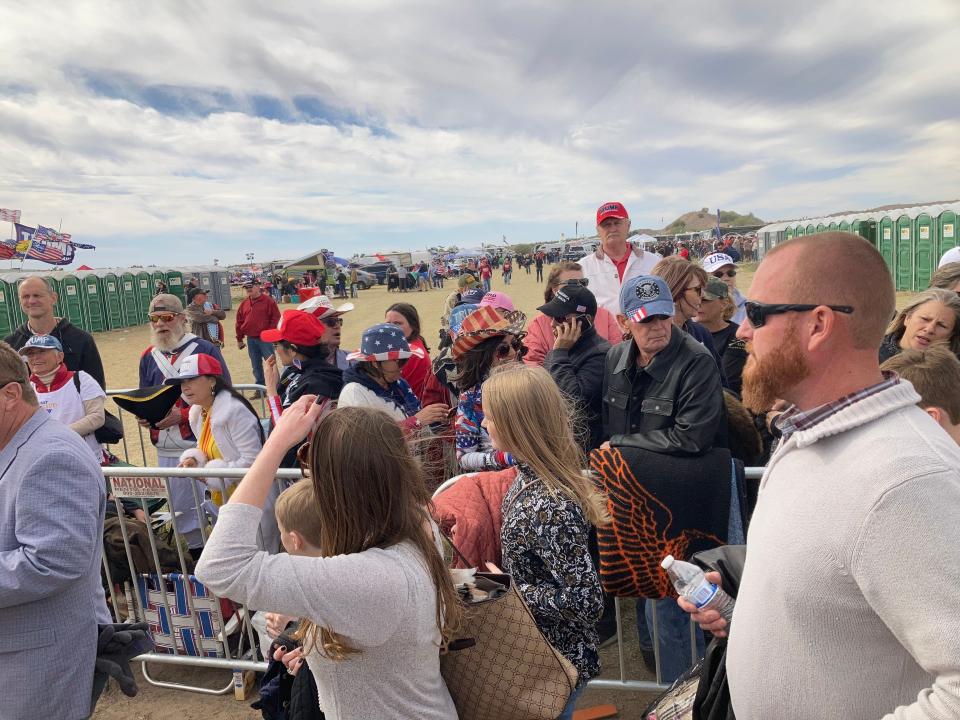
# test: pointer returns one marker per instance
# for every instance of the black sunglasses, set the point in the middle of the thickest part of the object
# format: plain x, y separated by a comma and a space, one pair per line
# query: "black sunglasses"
757, 313
515, 346
582, 282
332, 322
725, 273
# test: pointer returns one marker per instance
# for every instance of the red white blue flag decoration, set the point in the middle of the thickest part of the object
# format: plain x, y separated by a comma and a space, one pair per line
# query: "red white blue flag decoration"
9, 215
40, 243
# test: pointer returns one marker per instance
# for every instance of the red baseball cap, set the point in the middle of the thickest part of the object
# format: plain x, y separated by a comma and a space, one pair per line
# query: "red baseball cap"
297, 328
611, 209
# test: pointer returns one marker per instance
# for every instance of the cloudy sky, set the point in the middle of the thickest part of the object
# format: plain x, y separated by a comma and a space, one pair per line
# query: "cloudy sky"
187, 131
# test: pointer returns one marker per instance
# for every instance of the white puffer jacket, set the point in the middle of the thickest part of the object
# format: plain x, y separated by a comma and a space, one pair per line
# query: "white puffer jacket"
605, 281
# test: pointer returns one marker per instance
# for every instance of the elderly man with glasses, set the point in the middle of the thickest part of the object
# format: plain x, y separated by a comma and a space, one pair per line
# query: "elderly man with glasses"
722, 266
331, 316
172, 435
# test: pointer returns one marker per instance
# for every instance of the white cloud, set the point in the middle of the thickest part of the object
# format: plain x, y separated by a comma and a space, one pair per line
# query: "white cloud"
152, 120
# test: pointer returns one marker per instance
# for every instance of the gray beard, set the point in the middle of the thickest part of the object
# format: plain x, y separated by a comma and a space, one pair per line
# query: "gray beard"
165, 344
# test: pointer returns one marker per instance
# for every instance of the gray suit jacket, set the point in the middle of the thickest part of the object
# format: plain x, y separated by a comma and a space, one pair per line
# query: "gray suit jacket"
52, 502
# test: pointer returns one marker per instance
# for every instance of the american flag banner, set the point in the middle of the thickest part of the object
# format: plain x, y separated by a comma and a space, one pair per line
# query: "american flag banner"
8, 249
9, 215
40, 243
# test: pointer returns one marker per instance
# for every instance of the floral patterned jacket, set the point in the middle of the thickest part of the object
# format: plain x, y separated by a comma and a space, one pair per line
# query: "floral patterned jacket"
544, 539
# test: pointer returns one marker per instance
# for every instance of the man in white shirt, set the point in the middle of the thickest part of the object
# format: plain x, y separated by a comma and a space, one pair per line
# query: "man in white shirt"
616, 260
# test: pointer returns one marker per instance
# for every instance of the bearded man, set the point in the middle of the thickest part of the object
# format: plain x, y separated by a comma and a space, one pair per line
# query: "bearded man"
172, 435
850, 584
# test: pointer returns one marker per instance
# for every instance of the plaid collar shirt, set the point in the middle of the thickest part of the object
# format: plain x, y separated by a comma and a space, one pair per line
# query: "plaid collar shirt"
794, 420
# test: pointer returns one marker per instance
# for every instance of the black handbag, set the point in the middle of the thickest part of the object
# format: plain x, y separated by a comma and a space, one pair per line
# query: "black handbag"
112, 429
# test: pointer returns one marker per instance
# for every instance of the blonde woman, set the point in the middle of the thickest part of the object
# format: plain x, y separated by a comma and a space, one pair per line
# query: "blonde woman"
547, 513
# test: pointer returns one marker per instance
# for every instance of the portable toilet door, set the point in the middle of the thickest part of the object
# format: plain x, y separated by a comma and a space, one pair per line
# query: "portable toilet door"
110, 287
903, 235
811, 230
144, 285
157, 277
175, 285
129, 299
91, 295
821, 228
6, 298
947, 236
788, 233
886, 243
843, 226
17, 316
71, 301
832, 227
221, 281
800, 231
924, 250
206, 282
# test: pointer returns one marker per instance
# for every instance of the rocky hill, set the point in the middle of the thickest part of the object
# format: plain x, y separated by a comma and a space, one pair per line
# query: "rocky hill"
706, 219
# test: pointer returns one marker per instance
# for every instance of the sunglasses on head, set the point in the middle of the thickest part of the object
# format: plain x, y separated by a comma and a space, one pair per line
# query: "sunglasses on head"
725, 273
582, 282
161, 317
332, 322
757, 313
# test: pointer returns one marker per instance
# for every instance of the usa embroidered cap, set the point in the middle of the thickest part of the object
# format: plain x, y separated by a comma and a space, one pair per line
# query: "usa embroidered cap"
644, 296
611, 209
383, 342
194, 366
297, 327
41, 342
570, 299
715, 261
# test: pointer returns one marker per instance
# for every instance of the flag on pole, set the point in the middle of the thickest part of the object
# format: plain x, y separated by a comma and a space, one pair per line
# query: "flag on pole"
41, 244
9, 215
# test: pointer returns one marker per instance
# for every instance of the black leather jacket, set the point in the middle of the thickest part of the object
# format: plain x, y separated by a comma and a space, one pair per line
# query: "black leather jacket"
674, 405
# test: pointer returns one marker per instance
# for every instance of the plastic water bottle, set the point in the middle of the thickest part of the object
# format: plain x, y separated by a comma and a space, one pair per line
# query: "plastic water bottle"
692, 585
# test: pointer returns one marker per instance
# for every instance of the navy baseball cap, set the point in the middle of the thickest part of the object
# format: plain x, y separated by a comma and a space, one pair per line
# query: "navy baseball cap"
645, 296
41, 342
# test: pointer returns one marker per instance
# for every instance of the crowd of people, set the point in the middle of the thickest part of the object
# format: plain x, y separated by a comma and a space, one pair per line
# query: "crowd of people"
849, 578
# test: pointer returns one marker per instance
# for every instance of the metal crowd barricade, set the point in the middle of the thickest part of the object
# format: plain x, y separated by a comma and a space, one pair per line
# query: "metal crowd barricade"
186, 620
260, 394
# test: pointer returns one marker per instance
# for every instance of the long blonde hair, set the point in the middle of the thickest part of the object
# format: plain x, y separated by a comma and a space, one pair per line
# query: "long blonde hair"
533, 422
370, 493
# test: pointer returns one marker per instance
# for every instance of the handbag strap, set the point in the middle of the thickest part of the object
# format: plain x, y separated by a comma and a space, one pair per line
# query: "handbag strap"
456, 550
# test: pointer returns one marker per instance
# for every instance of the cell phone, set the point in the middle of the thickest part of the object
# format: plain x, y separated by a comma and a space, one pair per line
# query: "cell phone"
586, 322
452, 413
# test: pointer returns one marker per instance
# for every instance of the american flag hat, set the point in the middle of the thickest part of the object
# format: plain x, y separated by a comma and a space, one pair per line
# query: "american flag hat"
383, 342
486, 322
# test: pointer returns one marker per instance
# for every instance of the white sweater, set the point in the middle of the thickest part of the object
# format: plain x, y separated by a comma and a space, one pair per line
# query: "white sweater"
604, 279
849, 606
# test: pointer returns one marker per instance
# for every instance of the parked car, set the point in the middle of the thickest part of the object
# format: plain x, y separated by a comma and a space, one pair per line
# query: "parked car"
379, 270
365, 280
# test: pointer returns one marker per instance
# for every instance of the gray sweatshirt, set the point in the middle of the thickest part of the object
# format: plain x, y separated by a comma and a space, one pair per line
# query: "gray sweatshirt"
849, 605
381, 600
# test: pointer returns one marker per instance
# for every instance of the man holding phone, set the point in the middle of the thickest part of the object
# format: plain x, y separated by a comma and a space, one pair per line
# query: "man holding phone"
577, 359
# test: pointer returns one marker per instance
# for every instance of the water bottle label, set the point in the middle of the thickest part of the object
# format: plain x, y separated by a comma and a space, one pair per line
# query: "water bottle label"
703, 594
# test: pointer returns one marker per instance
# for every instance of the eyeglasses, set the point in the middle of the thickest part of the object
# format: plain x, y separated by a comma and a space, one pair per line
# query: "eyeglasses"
332, 322
161, 317
725, 273
515, 346
757, 313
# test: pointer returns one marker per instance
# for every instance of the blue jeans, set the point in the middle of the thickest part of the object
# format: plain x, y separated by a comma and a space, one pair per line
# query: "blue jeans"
486, 285
258, 350
567, 713
673, 635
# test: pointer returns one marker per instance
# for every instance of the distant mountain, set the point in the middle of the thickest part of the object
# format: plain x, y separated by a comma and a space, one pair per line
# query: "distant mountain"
705, 219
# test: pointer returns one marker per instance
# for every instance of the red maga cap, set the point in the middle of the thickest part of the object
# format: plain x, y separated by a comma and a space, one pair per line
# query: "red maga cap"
297, 328
611, 209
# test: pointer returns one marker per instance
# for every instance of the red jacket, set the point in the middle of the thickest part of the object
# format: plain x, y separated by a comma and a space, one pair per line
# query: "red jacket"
255, 316
468, 512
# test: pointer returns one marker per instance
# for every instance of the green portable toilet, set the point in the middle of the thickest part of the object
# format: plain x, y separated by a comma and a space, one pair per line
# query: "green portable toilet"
71, 301
144, 285
157, 277
112, 303
130, 299
91, 295
788, 233
800, 231
811, 229
947, 235
6, 297
924, 250
821, 228
175, 285
832, 227
843, 226
17, 316
903, 237
886, 245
